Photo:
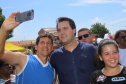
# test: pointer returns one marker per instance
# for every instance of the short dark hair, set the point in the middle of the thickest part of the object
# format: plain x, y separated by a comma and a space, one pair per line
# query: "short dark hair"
118, 33
100, 64
71, 22
83, 29
44, 35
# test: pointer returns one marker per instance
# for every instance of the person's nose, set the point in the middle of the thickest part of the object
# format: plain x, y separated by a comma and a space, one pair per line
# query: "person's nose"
83, 37
112, 55
46, 44
62, 31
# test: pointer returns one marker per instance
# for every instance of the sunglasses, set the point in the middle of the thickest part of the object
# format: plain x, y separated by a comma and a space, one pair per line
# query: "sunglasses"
4, 65
123, 37
85, 36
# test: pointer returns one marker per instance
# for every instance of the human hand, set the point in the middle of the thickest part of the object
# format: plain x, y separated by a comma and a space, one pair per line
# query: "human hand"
10, 23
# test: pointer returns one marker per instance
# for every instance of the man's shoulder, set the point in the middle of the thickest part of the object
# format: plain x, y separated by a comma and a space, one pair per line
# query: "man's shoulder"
58, 50
87, 45
31, 56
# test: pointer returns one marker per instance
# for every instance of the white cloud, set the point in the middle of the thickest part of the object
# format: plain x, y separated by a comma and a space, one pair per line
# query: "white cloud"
7, 8
76, 4
117, 21
124, 3
124, 10
84, 2
96, 1
96, 19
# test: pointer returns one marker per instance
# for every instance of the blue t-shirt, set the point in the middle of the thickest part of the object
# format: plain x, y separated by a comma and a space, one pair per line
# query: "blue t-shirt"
74, 67
35, 72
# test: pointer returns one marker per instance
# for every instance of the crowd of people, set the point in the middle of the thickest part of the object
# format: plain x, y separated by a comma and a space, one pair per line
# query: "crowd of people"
72, 61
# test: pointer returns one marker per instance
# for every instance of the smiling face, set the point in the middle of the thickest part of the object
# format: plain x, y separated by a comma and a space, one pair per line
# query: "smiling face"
44, 46
65, 32
110, 56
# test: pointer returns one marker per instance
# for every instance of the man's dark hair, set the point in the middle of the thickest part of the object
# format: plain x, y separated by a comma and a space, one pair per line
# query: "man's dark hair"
44, 35
118, 33
71, 22
83, 29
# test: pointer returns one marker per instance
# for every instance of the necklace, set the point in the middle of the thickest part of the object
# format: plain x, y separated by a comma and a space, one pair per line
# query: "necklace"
119, 68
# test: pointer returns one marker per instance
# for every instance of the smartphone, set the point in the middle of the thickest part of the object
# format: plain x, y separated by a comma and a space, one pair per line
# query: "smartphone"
24, 16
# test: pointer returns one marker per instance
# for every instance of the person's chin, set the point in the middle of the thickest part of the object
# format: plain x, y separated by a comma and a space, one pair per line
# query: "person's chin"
83, 41
63, 41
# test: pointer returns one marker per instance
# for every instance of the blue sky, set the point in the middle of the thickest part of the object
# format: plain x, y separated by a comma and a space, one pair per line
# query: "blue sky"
112, 13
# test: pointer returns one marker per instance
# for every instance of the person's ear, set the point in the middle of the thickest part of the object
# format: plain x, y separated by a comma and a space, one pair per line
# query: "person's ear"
92, 35
74, 30
117, 40
36, 47
100, 57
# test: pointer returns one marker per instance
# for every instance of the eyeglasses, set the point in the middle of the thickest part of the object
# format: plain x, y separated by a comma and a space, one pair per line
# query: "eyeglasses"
123, 37
85, 36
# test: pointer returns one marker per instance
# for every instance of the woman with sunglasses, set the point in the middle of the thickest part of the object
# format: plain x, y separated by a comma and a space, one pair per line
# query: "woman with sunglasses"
107, 61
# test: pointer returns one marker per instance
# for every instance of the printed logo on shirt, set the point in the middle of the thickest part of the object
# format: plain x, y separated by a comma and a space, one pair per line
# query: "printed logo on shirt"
118, 79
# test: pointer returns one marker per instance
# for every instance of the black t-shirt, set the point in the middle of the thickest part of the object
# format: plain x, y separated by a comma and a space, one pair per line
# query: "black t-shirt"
98, 77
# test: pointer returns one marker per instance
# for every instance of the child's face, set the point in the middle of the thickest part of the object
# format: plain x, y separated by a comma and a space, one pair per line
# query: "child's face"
110, 56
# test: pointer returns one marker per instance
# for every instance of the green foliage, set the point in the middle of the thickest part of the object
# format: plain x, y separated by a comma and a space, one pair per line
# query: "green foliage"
0, 11
2, 18
9, 34
99, 29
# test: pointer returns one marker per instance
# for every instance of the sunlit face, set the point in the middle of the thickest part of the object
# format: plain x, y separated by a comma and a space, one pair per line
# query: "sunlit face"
65, 32
44, 46
110, 56
86, 40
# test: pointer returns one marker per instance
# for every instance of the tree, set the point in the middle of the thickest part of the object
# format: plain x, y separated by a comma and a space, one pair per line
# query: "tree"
99, 29
2, 18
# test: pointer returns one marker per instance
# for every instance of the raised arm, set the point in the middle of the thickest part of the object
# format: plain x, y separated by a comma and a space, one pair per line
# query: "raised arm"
7, 25
13, 58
